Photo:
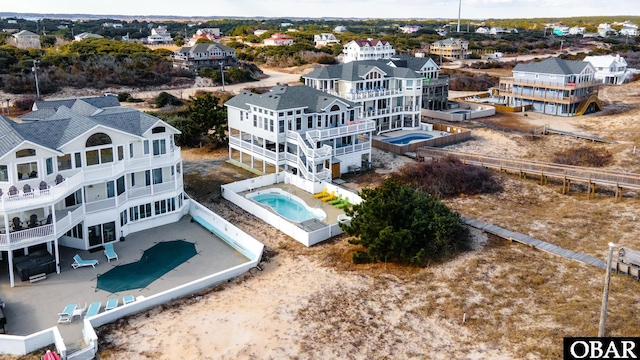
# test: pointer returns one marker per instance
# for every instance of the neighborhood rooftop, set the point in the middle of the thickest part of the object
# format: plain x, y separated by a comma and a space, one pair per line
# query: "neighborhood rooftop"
553, 66
288, 97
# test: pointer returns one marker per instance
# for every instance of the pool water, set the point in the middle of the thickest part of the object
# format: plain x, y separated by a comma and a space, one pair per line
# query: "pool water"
289, 206
405, 139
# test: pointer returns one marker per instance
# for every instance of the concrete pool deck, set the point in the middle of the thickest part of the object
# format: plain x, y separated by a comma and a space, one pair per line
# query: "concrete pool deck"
31, 307
332, 211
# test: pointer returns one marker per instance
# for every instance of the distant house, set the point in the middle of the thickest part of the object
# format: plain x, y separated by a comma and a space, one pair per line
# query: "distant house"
552, 86
206, 31
159, 35
278, 39
25, 39
12, 21
629, 29
577, 30
609, 69
210, 37
339, 29
410, 29
561, 30
369, 49
512, 30
286, 24
86, 35
259, 32
325, 39
450, 48
204, 55
606, 30
482, 30
113, 25
496, 30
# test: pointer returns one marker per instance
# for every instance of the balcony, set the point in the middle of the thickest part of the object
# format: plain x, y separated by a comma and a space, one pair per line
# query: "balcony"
435, 82
544, 96
368, 94
256, 149
350, 149
22, 238
391, 111
317, 154
359, 127
549, 84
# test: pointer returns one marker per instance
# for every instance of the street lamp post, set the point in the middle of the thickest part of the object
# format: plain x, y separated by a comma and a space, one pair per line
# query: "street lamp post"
222, 73
605, 295
35, 71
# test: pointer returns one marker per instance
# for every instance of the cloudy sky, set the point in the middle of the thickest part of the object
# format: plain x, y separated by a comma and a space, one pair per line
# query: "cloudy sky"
471, 9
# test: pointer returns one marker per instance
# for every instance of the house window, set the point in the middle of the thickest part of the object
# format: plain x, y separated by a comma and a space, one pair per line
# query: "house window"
157, 176
158, 129
130, 150
271, 125
298, 123
159, 147
78, 157
106, 155
309, 122
161, 207
145, 147
145, 211
255, 121
120, 185
49, 165
4, 173
134, 214
27, 171
147, 178
25, 153
120, 153
98, 139
64, 162
281, 126
133, 179
123, 218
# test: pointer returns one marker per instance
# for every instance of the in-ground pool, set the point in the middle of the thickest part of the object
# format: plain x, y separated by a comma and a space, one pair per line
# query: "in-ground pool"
405, 139
287, 205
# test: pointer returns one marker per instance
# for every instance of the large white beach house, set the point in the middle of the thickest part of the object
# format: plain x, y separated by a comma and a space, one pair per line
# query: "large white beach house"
308, 132
84, 172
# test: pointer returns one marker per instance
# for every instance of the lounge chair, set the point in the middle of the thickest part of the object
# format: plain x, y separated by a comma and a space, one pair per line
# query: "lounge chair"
109, 252
336, 200
111, 304
343, 204
93, 310
128, 299
79, 262
321, 194
67, 314
329, 197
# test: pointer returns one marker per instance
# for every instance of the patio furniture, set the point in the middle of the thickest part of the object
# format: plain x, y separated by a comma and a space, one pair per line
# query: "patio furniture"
336, 200
321, 194
43, 185
59, 179
17, 224
79, 262
128, 299
26, 189
343, 204
48, 221
13, 191
93, 310
67, 314
329, 197
1, 192
33, 221
109, 252
111, 304
37, 262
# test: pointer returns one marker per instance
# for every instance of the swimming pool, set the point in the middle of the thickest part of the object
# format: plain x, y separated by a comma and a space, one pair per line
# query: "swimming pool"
287, 205
405, 139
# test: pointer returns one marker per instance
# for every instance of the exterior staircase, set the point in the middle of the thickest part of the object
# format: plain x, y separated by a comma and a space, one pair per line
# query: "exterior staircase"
584, 105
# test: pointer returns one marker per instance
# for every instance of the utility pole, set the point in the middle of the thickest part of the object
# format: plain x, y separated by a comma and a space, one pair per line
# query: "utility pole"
35, 71
222, 73
605, 295
459, 8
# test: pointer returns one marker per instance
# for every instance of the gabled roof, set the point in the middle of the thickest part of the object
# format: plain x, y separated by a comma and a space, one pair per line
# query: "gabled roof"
355, 70
411, 62
57, 124
202, 48
554, 66
368, 42
605, 60
25, 33
287, 97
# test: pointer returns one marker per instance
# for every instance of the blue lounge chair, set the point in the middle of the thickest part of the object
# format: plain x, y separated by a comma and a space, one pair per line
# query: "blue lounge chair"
128, 299
78, 262
94, 309
111, 304
109, 252
67, 314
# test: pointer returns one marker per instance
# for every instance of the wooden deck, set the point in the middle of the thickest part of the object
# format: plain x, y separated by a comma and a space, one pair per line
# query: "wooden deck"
565, 173
548, 130
533, 242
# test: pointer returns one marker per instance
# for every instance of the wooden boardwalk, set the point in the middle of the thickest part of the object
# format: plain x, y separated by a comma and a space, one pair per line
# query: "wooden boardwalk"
533, 242
548, 130
565, 173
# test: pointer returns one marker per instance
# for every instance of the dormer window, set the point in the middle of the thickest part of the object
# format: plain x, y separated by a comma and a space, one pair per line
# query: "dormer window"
158, 130
25, 153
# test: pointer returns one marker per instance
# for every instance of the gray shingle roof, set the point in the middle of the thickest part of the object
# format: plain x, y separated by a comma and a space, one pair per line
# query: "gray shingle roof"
203, 47
553, 65
99, 102
287, 97
63, 124
355, 70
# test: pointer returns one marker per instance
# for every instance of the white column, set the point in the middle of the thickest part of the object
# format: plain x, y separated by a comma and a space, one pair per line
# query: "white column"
11, 280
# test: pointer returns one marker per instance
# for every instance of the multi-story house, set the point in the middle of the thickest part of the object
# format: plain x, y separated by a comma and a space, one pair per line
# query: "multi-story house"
605, 30
609, 69
339, 29
325, 39
86, 35
577, 30
311, 133
25, 39
278, 39
410, 29
435, 87
370, 49
561, 30
159, 35
552, 86
84, 172
450, 48
389, 92
629, 29
482, 30
211, 55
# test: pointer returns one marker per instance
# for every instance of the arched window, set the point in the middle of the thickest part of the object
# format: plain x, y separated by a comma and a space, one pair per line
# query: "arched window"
335, 108
98, 139
158, 129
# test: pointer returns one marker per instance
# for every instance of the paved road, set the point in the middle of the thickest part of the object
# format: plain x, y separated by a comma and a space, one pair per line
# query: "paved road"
274, 78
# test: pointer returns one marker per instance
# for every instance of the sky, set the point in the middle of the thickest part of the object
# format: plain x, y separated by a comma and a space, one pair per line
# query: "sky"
405, 9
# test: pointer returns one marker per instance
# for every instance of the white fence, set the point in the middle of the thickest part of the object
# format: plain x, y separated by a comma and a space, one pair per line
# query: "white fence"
241, 241
230, 192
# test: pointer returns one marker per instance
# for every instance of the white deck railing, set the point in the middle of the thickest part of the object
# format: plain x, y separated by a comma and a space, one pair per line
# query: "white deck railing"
25, 236
352, 149
363, 126
100, 205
